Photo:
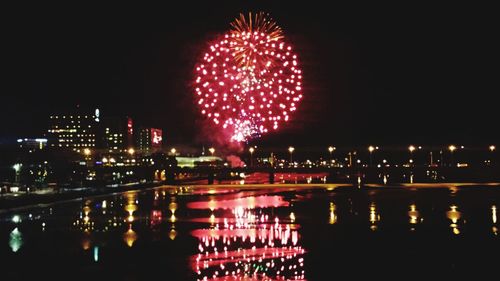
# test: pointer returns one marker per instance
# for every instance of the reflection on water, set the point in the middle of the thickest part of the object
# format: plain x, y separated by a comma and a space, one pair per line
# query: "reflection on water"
229, 234
494, 219
414, 215
131, 206
454, 215
374, 216
333, 216
86, 241
130, 236
16, 240
248, 241
172, 207
96, 253
245, 202
494, 214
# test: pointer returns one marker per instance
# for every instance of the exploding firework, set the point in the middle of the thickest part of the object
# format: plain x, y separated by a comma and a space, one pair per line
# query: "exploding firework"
249, 80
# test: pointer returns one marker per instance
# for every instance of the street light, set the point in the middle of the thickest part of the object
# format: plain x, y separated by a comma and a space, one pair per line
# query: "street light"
131, 151
173, 151
291, 149
251, 150
212, 150
452, 148
17, 168
492, 149
411, 148
86, 151
331, 149
371, 148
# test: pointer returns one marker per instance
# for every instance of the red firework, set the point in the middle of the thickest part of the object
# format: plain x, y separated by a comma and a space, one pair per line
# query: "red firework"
249, 80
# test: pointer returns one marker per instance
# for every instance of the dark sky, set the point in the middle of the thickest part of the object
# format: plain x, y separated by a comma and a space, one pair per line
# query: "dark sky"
377, 74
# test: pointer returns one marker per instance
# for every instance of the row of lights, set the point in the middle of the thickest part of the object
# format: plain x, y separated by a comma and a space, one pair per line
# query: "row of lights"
291, 149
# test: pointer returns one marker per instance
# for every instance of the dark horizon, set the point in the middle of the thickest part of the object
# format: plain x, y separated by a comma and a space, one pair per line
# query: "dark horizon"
376, 76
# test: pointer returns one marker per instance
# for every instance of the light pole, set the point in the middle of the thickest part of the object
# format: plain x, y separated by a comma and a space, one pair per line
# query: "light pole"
291, 149
492, 149
331, 149
212, 150
411, 148
173, 151
251, 150
17, 168
451, 148
371, 148
88, 158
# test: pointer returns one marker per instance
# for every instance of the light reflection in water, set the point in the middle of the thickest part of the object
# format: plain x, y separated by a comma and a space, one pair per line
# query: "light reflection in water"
333, 216
245, 202
131, 206
130, 236
172, 207
494, 219
84, 222
173, 233
246, 236
96, 253
15, 240
414, 215
248, 242
86, 241
374, 216
156, 217
454, 215
494, 214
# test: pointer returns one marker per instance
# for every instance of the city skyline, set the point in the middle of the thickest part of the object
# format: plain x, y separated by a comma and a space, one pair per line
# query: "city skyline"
367, 80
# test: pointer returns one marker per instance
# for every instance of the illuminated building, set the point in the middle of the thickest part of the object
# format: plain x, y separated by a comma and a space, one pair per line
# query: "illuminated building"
148, 139
32, 145
118, 134
191, 162
76, 130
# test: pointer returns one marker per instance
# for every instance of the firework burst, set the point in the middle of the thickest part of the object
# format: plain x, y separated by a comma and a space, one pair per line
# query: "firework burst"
249, 80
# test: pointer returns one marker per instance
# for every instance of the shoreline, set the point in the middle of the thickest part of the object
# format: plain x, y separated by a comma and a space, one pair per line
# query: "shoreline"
51, 199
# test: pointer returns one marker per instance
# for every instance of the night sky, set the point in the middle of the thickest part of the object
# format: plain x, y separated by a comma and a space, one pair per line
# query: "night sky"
372, 75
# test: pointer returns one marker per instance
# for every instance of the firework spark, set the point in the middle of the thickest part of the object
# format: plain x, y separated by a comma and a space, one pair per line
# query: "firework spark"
249, 80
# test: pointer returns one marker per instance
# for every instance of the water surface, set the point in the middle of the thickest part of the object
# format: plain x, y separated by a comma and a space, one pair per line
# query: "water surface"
287, 232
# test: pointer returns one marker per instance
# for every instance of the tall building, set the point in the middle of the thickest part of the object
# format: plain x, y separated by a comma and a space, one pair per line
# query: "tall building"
149, 139
76, 130
117, 134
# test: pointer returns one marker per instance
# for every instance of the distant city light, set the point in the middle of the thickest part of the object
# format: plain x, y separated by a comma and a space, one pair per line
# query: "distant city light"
16, 219
17, 167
